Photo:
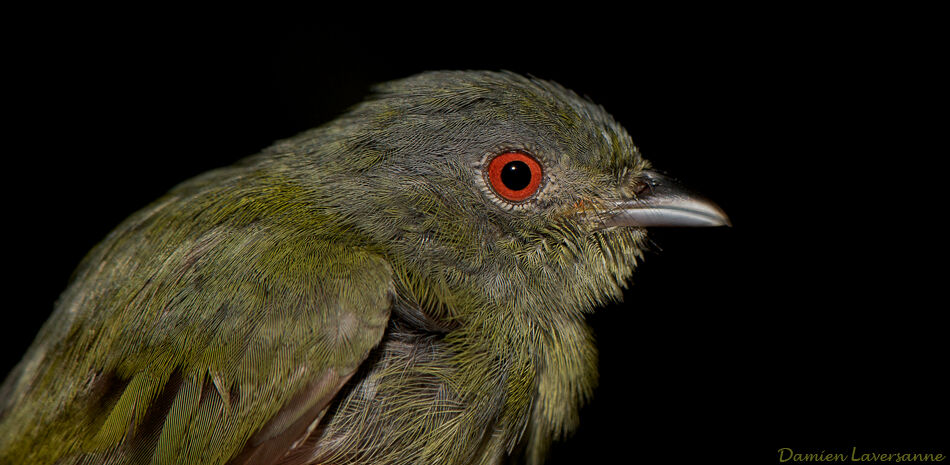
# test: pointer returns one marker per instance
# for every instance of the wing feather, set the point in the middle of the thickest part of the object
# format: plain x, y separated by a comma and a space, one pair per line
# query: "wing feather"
220, 347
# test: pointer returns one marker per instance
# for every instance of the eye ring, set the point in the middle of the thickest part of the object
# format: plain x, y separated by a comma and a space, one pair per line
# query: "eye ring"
514, 176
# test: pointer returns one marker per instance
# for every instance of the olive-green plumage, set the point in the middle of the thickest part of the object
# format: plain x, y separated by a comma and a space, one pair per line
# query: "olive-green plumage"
355, 294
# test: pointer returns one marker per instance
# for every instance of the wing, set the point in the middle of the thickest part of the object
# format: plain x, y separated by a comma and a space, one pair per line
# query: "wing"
173, 346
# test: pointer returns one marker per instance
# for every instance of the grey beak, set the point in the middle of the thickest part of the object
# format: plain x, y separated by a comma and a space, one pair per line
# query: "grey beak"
663, 202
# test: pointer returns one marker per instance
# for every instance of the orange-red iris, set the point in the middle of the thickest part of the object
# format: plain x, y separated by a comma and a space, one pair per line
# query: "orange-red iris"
514, 176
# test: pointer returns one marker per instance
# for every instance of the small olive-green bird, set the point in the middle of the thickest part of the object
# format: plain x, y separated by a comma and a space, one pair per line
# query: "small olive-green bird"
406, 284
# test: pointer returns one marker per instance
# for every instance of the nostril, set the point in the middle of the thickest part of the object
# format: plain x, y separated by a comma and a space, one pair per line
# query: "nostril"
638, 184
641, 187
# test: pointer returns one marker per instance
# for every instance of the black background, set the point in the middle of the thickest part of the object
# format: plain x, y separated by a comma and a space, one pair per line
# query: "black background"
815, 323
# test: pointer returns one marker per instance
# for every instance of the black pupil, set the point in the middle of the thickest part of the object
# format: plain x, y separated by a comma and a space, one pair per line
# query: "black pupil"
516, 175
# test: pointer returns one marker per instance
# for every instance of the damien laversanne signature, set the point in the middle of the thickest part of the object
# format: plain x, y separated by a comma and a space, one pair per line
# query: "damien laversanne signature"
786, 454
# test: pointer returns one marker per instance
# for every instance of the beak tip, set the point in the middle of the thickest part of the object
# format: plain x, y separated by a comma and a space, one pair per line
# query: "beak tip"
723, 217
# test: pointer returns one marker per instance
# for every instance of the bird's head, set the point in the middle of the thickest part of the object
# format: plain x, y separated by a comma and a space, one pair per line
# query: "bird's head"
485, 185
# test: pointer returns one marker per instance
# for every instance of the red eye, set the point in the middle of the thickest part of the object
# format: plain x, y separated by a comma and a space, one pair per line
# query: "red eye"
514, 175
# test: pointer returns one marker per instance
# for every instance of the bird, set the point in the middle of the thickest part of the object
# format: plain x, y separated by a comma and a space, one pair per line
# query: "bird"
405, 284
